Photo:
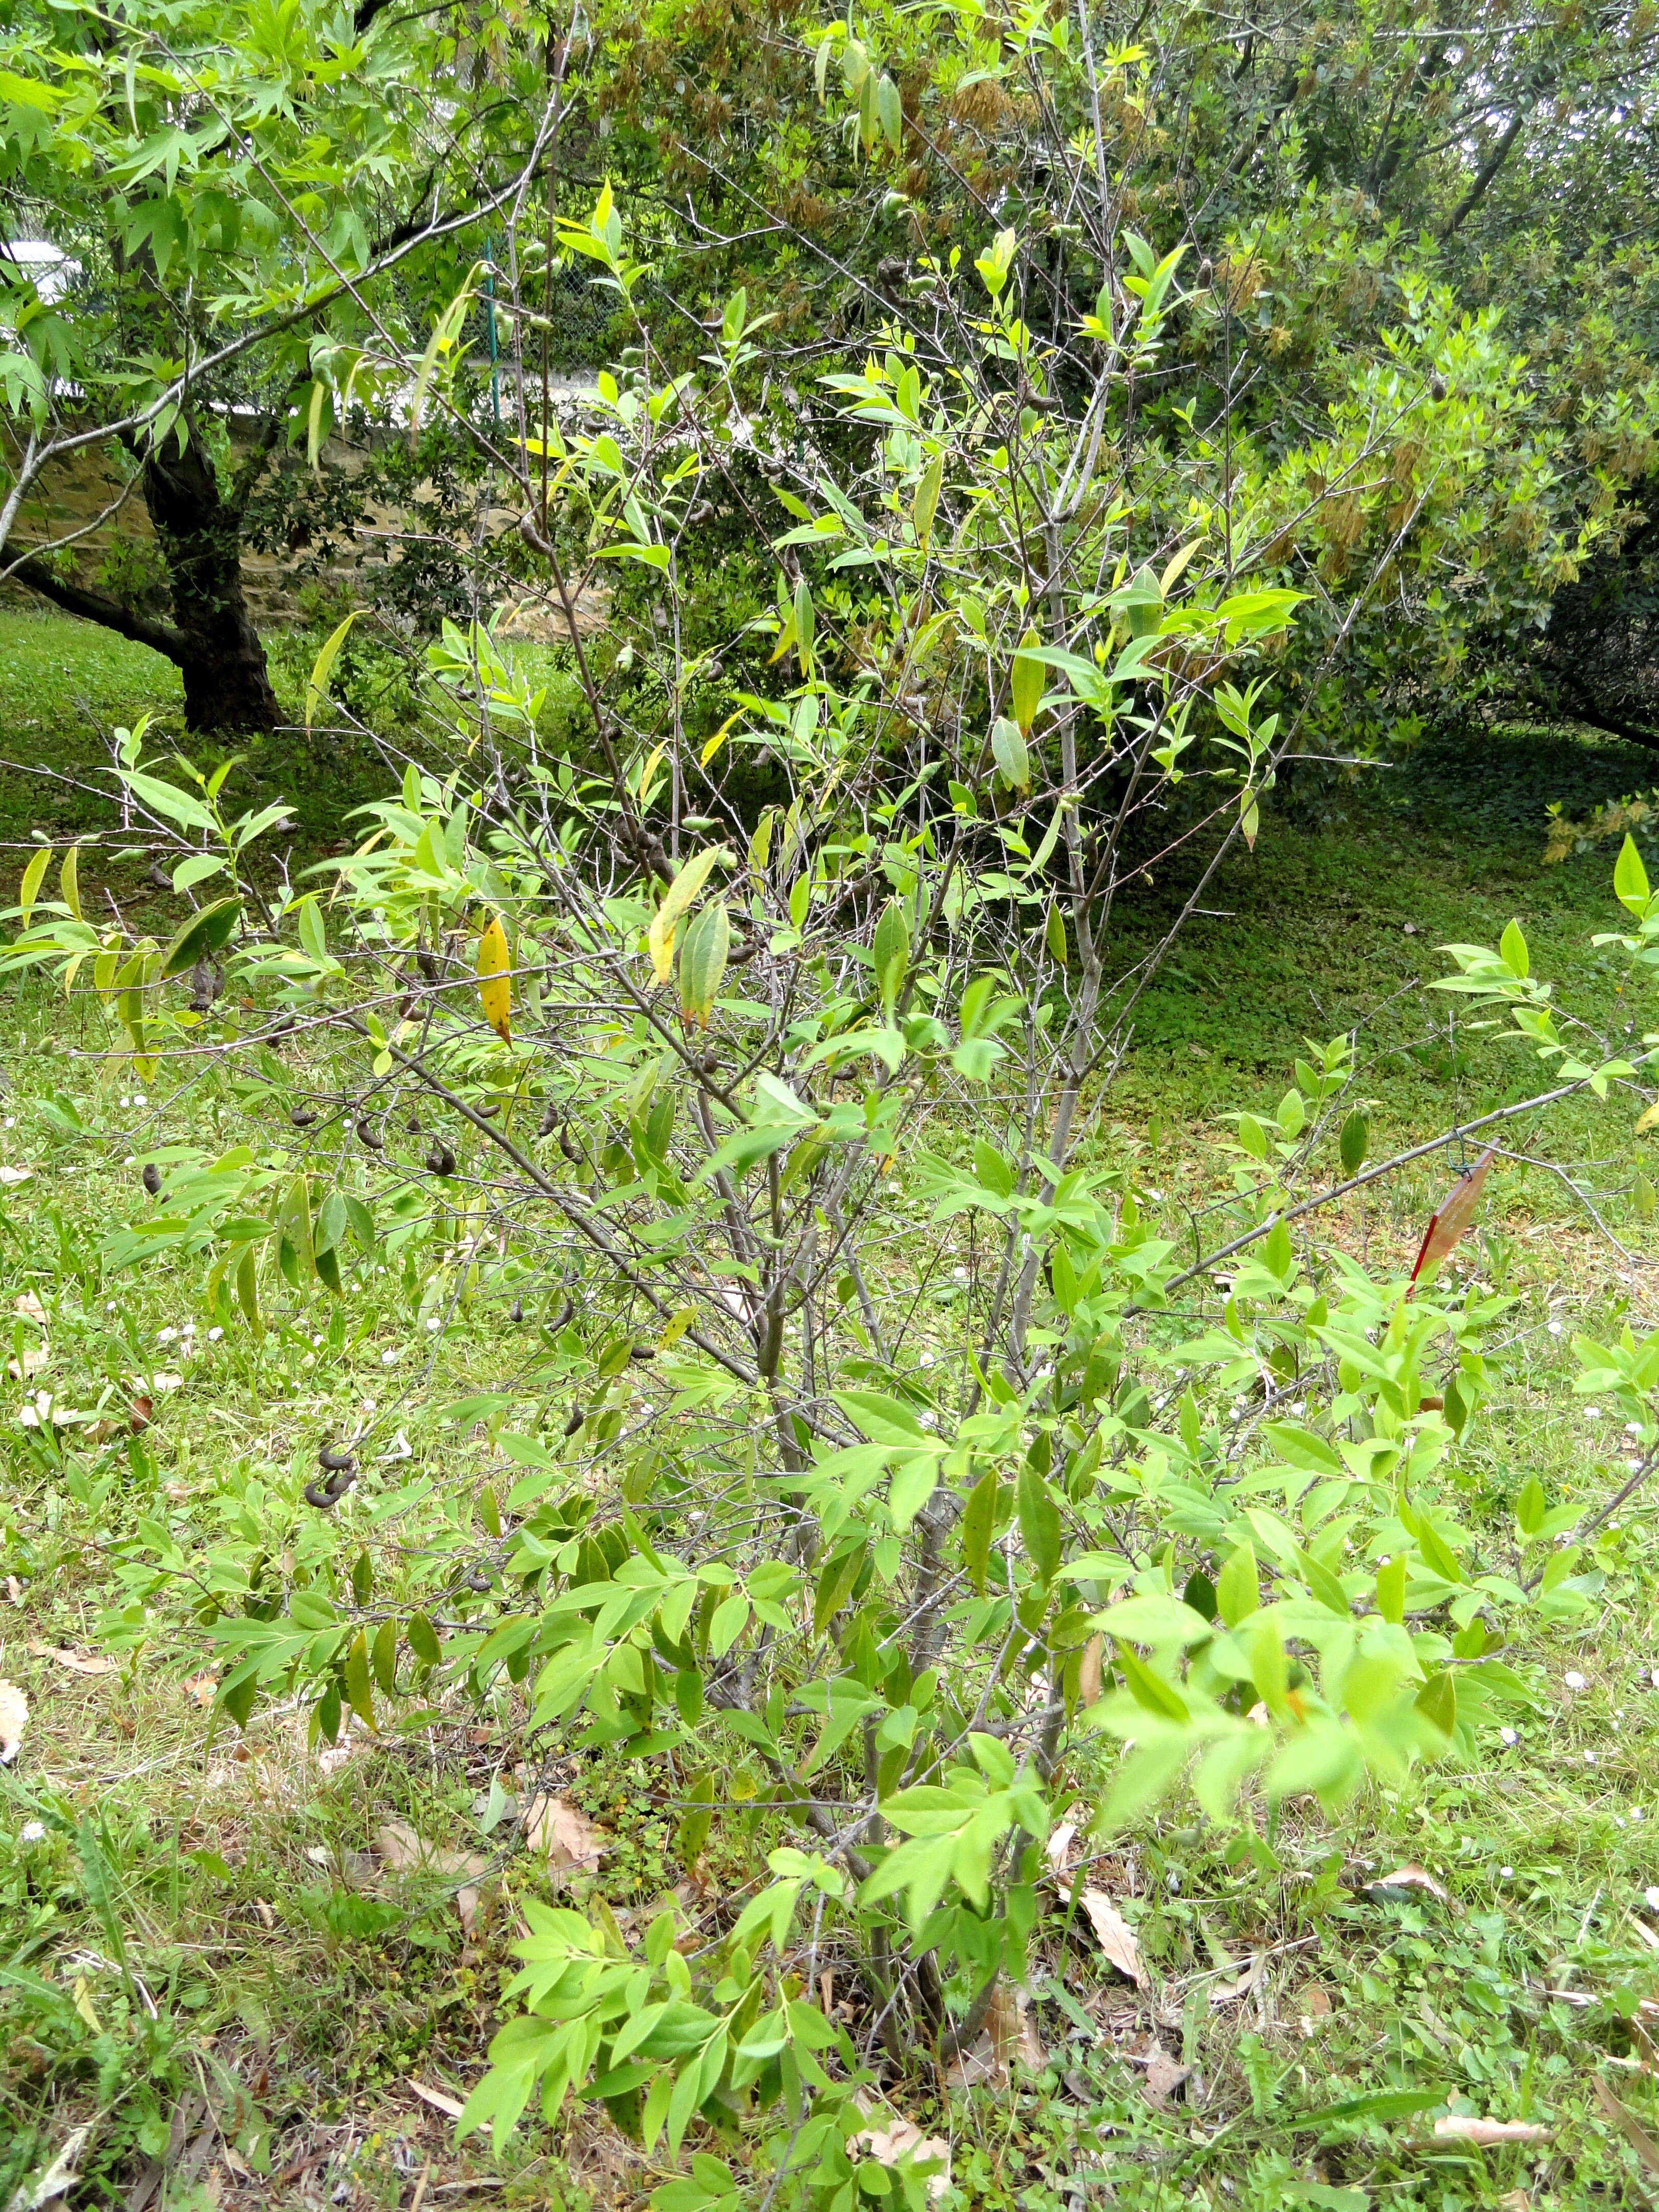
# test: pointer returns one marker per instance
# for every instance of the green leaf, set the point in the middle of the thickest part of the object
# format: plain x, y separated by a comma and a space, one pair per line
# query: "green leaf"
1437, 1701
926, 503
357, 1680
1391, 1589
1026, 684
1379, 2104
1530, 1507
978, 1524
1630, 878
1354, 1143
702, 963
1008, 751
202, 933
884, 1420
323, 667
1237, 1593
1512, 952
1039, 1522
422, 1639
890, 111
892, 954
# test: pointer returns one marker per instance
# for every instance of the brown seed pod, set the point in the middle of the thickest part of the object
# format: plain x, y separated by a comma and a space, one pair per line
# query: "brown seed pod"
515, 1312
369, 1135
440, 1160
302, 1116
577, 1416
152, 1178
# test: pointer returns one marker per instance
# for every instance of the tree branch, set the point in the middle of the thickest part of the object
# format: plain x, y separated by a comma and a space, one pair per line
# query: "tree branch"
98, 607
1483, 175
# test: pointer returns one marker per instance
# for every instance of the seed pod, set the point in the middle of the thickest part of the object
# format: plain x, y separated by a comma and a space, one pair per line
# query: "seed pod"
515, 1312
440, 1160
550, 1119
413, 1125
369, 1135
577, 1416
302, 1116
152, 1178
336, 1462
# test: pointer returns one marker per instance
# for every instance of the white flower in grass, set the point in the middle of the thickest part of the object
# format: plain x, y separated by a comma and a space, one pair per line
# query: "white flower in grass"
1510, 1735
32, 1832
1573, 1681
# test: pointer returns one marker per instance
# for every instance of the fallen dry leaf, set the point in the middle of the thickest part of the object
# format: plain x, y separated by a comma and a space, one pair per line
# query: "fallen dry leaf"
1059, 1845
14, 1719
1316, 2001
15, 1175
60, 2176
1454, 2127
91, 1665
1627, 2125
1115, 1936
1409, 1877
570, 1841
203, 1688
1164, 2076
904, 2139
439, 2100
403, 1850
1012, 2031
1248, 1983
35, 1353
1090, 1671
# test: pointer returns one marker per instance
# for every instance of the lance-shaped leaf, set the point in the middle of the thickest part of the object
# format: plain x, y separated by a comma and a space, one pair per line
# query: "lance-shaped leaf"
892, 954
495, 981
1453, 1215
323, 667
702, 963
677, 904
1025, 690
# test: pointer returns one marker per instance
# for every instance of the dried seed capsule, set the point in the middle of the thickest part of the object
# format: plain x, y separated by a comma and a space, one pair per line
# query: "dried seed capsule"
152, 1178
369, 1135
440, 1160
302, 1116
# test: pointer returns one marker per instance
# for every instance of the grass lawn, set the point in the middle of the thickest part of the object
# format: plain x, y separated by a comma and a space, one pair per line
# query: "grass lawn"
262, 1971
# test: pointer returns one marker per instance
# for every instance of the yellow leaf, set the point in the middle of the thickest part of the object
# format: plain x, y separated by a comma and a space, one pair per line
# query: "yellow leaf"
677, 901
495, 983
29, 890
1648, 1119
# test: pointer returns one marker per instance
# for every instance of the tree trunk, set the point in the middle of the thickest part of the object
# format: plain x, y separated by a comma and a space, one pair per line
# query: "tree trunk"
218, 654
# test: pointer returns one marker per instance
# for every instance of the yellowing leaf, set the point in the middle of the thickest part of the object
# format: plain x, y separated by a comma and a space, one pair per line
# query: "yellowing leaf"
677, 902
1115, 1935
495, 982
33, 876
